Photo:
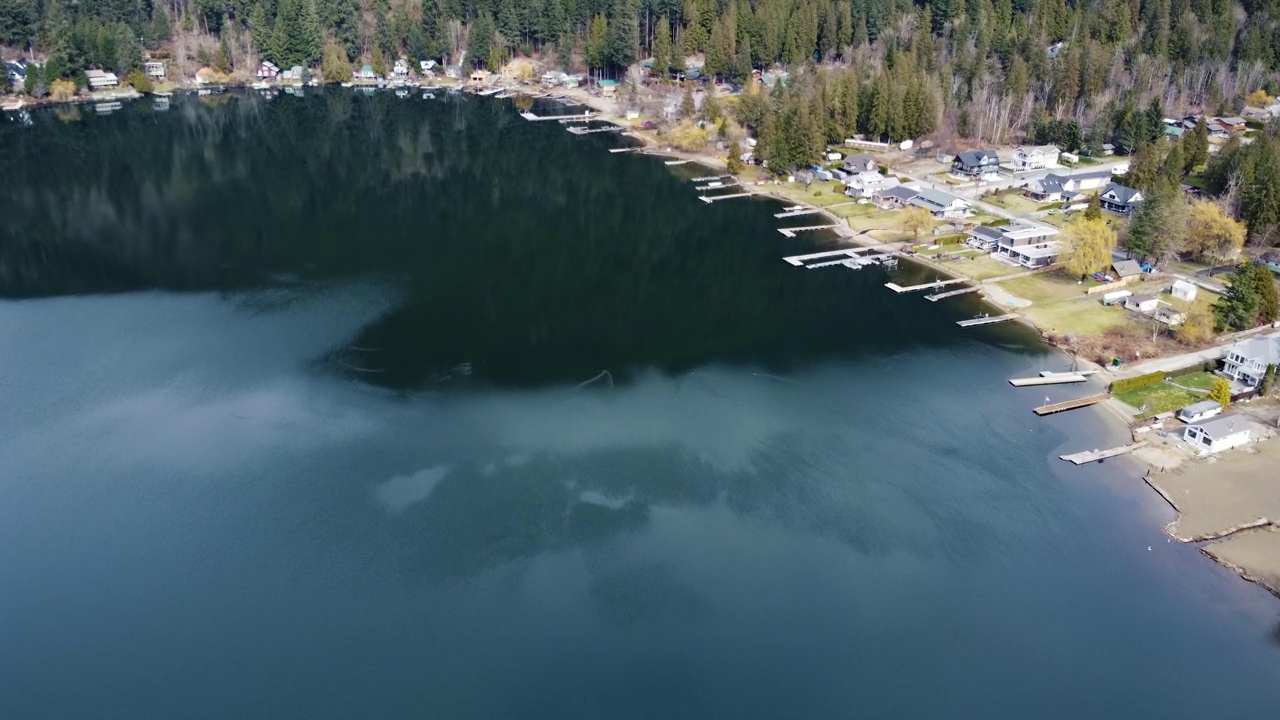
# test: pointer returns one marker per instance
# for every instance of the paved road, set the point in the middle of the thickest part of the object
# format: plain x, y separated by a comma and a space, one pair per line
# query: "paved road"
1177, 362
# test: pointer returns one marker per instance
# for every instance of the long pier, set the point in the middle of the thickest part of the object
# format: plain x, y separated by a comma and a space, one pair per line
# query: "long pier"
952, 293
625, 149
795, 213
1047, 380
1081, 458
675, 162
799, 260
1070, 404
791, 232
716, 184
713, 198
925, 286
991, 320
542, 118
710, 177
577, 130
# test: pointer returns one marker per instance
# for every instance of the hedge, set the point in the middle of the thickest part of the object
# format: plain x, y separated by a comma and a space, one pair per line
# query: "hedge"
1133, 383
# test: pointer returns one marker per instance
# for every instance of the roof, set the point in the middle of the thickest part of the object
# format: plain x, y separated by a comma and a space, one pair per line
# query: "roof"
1022, 230
1203, 406
1140, 299
860, 159
1127, 268
1265, 349
1049, 184
979, 157
1038, 251
1123, 194
1232, 120
901, 192
1183, 285
1039, 148
1223, 426
936, 197
989, 233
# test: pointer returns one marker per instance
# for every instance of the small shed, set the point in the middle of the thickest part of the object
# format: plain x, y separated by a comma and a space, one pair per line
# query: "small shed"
1183, 290
1200, 411
1217, 434
1125, 269
1145, 304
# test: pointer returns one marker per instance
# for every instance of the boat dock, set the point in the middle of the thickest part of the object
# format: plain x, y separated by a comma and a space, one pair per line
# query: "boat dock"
577, 130
801, 260
852, 258
625, 149
987, 320
1070, 404
540, 118
675, 162
713, 198
952, 293
1047, 380
715, 184
791, 232
796, 212
709, 178
1081, 458
926, 286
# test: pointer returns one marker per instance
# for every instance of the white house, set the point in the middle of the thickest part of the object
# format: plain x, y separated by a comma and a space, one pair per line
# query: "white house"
1035, 157
1217, 434
1248, 361
154, 69
1055, 187
1200, 411
268, 71
1183, 290
866, 184
99, 79
401, 69
941, 204
1028, 245
1145, 304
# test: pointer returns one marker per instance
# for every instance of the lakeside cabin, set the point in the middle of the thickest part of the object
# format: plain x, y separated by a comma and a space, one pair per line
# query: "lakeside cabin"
101, 80
1217, 434
267, 71
1200, 411
154, 69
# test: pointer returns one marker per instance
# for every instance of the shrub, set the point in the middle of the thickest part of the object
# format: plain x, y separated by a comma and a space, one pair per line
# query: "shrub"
1141, 381
62, 90
688, 137
139, 81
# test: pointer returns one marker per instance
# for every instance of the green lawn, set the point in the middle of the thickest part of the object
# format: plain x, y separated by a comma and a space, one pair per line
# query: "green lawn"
1158, 398
1059, 305
818, 193
854, 210
1016, 203
1202, 380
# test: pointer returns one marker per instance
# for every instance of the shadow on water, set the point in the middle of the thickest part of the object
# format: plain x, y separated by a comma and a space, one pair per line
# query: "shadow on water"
528, 255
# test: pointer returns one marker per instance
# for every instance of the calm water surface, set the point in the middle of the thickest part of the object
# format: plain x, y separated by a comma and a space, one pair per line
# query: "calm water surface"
345, 406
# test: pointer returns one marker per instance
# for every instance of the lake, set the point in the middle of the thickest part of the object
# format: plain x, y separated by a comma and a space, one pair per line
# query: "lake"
356, 406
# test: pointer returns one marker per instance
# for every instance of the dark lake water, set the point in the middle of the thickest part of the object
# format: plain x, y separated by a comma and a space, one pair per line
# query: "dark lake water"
352, 406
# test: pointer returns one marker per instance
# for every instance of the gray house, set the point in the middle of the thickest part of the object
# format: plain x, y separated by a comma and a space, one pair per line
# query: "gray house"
975, 164
1119, 199
860, 163
1248, 361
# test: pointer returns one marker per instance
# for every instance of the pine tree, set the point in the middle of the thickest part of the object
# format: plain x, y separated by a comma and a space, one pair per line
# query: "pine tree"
710, 110
662, 49
480, 40
687, 106
597, 42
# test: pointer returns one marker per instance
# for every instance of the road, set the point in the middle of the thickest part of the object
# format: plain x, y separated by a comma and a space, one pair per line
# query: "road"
1169, 363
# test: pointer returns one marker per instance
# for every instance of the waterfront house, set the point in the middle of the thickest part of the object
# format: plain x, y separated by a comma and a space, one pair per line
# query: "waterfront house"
895, 197
860, 163
400, 71
268, 71
427, 68
976, 164
1200, 411
1145, 304
1183, 290
364, 74
293, 74
479, 75
1055, 187
867, 184
1119, 199
984, 238
941, 205
1035, 157
154, 69
101, 80
1217, 434
1028, 245
17, 73
1247, 362
1125, 269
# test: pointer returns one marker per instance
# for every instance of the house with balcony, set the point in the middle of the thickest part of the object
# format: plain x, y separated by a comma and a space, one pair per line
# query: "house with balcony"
1247, 362
1028, 245
976, 165
1120, 199
101, 79
1035, 157
867, 184
942, 205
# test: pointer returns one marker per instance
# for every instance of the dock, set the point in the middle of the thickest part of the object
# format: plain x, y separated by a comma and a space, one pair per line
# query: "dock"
952, 293
625, 149
716, 184
925, 286
709, 178
578, 130
1070, 404
989, 320
795, 213
542, 118
791, 232
1047, 380
675, 162
1081, 458
713, 198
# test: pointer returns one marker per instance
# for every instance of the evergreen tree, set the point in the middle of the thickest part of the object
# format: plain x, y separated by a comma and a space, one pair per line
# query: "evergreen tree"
687, 106
597, 47
480, 40
710, 110
662, 49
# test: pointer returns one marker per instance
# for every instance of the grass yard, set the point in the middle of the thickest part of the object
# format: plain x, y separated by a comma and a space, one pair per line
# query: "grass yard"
854, 210
1202, 380
982, 267
1158, 399
1016, 203
878, 220
819, 193
1059, 305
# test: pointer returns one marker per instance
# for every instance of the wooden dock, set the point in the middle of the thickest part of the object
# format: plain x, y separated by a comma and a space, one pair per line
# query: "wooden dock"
1081, 458
542, 118
708, 178
675, 162
1070, 404
1050, 373
926, 286
1047, 380
713, 198
716, 185
578, 130
626, 149
952, 293
791, 232
795, 213
991, 320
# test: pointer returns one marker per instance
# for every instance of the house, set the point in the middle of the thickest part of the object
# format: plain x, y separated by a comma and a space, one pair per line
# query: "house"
976, 164
895, 197
609, 88
1028, 245
17, 73
1125, 269
293, 74
1183, 290
154, 69
1055, 187
940, 204
268, 71
1174, 131
1256, 114
479, 75
867, 184
984, 238
1200, 411
1145, 304
1108, 149
100, 79
427, 68
860, 163
1232, 124
364, 74
1169, 314
400, 71
1217, 434
1035, 157
1119, 199
1248, 361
